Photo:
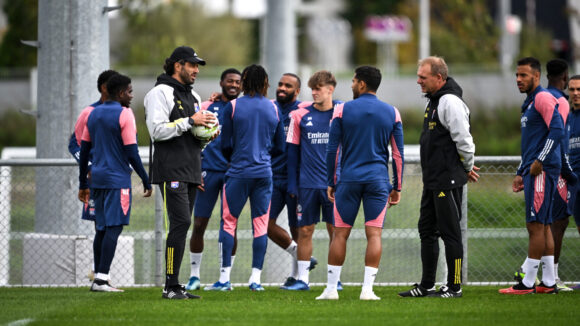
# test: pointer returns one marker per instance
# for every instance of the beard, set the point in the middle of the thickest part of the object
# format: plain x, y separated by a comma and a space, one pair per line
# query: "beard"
186, 77
287, 99
229, 96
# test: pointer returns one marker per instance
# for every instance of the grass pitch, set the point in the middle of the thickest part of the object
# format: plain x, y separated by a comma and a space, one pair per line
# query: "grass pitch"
144, 306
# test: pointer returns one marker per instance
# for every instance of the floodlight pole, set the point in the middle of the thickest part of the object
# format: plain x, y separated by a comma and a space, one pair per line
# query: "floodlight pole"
278, 48
73, 38
424, 44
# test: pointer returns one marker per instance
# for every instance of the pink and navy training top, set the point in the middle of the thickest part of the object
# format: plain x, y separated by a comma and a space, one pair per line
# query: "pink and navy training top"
212, 157
251, 132
363, 128
307, 140
542, 131
573, 129
74, 146
111, 137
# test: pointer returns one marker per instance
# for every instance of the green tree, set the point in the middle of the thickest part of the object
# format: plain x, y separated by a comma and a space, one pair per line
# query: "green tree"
22, 17
153, 30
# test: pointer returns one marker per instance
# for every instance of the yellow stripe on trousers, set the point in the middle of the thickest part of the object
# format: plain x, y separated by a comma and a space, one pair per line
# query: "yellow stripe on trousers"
457, 271
170, 251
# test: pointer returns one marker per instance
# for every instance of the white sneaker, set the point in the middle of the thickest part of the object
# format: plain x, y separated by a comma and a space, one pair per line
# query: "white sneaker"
106, 287
368, 295
328, 295
562, 287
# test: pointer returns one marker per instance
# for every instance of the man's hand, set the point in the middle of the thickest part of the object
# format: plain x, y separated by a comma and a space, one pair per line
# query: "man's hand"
216, 135
394, 198
518, 184
536, 168
202, 119
330, 194
214, 96
84, 195
472, 175
147, 192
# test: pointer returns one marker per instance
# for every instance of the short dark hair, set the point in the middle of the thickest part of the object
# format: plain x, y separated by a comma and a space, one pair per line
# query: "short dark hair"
556, 67
370, 75
532, 62
104, 77
230, 71
254, 80
116, 84
575, 77
294, 76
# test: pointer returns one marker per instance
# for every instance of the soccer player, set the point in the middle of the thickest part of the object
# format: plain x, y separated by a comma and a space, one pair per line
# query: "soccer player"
286, 94
447, 157
251, 131
557, 70
307, 139
172, 108
362, 128
213, 166
542, 130
573, 127
74, 147
111, 134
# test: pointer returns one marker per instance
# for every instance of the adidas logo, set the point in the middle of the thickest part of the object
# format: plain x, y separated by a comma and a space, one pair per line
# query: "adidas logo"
223, 271
194, 263
441, 194
329, 272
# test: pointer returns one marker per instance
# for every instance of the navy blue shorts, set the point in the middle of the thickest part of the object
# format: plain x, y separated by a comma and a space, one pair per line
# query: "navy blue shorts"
310, 202
560, 208
112, 207
540, 192
348, 197
574, 203
281, 198
213, 181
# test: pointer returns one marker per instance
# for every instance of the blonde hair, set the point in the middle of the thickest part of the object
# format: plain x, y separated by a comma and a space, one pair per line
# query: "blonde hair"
438, 66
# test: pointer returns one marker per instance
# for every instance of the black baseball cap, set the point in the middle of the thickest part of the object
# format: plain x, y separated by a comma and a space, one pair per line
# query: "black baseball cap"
188, 54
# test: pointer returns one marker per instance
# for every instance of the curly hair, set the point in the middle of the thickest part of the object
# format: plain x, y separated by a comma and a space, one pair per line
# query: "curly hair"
255, 80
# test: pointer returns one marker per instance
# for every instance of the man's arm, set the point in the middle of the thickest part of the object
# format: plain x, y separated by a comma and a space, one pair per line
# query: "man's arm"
547, 107
454, 116
129, 137
334, 138
157, 111
397, 154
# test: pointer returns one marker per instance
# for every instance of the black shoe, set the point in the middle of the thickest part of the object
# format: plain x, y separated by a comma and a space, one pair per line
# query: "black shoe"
446, 292
417, 291
175, 293
289, 282
313, 263
189, 295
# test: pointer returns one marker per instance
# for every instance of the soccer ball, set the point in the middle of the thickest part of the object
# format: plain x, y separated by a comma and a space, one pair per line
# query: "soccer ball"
203, 132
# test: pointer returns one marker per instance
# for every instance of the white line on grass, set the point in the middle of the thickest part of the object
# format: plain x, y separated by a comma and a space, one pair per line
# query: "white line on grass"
21, 322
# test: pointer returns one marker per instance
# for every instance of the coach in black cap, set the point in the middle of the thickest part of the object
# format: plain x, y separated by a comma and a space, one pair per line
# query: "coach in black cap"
172, 108
187, 54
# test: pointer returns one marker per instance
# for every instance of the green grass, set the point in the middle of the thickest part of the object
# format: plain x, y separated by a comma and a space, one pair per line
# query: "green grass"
144, 306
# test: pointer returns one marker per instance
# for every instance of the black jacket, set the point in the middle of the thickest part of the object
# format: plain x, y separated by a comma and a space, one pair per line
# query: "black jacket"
440, 162
177, 153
